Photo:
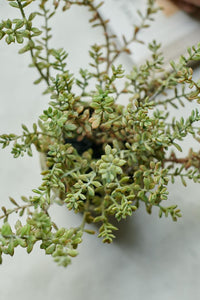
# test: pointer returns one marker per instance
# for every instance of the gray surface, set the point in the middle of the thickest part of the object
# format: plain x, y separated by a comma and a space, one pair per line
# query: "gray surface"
151, 258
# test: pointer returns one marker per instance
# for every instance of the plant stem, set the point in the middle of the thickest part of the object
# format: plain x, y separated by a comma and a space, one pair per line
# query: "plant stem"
9, 212
31, 50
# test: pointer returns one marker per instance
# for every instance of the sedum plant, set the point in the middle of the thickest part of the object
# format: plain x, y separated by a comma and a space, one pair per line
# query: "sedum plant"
100, 159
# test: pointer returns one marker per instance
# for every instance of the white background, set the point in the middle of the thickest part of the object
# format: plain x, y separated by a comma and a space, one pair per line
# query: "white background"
151, 258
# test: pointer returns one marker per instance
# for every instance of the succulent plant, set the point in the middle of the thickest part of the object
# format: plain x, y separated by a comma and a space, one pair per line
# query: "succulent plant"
100, 158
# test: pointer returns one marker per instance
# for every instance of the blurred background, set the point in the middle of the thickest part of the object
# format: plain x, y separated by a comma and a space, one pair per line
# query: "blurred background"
151, 258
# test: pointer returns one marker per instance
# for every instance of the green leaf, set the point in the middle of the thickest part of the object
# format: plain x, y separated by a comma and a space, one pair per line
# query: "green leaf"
14, 4
10, 39
96, 183
6, 229
70, 127
19, 24
183, 181
178, 147
91, 191
25, 230
72, 252
32, 16
36, 31
10, 248
21, 242
50, 249
8, 24
19, 38
108, 149
2, 33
